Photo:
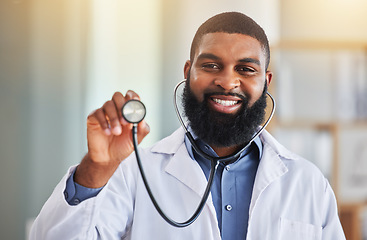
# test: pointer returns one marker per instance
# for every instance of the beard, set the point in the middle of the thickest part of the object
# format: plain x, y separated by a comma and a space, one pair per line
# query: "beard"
221, 129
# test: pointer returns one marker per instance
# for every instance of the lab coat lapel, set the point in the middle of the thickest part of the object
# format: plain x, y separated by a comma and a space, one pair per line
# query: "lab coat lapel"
187, 171
271, 167
182, 166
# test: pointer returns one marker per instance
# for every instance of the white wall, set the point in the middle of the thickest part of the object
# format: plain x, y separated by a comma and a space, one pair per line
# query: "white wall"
124, 52
14, 113
56, 77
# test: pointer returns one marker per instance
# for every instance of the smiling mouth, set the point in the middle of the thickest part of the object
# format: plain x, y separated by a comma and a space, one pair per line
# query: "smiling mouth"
225, 103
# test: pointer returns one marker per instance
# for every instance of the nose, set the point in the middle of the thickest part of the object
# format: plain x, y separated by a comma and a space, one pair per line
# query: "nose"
228, 80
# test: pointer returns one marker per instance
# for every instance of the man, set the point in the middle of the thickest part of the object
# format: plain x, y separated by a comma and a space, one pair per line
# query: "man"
266, 193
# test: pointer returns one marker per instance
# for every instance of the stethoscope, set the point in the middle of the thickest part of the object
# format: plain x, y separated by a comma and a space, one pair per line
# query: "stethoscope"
134, 112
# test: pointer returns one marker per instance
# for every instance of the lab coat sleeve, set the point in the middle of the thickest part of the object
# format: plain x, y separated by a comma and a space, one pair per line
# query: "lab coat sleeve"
106, 216
332, 228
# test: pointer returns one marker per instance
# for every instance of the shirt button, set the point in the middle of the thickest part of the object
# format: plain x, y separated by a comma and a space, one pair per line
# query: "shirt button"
76, 201
227, 168
228, 207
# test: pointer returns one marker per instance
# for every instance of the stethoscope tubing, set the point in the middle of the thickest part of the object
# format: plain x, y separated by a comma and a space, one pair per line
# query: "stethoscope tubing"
201, 205
215, 161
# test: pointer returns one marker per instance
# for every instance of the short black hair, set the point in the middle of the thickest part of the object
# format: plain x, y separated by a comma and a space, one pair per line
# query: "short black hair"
232, 22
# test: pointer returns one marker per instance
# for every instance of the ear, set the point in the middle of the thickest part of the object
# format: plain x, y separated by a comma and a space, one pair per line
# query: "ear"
269, 77
187, 68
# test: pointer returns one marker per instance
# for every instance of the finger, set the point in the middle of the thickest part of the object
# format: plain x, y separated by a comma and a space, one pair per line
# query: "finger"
143, 130
119, 101
101, 119
131, 95
110, 111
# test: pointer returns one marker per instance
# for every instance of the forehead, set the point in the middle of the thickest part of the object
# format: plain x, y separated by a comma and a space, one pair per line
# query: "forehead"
230, 45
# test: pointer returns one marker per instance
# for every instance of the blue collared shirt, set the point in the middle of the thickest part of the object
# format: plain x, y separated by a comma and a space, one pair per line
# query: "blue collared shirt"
232, 187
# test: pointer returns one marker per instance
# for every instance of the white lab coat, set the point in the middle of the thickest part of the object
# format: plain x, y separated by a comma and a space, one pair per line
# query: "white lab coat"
291, 200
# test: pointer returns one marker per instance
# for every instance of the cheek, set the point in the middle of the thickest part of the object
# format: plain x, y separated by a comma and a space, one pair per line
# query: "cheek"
198, 85
197, 89
255, 91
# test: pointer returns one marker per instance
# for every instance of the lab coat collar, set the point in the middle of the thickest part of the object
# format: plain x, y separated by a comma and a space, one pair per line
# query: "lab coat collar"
182, 166
271, 166
186, 170
170, 144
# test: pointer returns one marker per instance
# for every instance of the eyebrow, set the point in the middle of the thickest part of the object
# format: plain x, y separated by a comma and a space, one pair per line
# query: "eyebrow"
215, 57
208, 56
250, 60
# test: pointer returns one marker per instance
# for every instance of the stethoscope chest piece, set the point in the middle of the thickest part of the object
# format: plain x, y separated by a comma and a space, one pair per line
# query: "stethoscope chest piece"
133, 111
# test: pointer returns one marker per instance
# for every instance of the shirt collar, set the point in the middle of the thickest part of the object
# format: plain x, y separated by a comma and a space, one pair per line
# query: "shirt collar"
256, 144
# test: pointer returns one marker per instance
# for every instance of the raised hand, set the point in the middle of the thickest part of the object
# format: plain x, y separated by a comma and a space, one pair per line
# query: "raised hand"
109, 141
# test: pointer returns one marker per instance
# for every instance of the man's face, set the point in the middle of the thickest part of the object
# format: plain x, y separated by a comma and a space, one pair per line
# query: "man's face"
226, 79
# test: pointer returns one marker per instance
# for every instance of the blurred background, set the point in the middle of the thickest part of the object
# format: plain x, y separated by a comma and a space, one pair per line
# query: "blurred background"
61, 59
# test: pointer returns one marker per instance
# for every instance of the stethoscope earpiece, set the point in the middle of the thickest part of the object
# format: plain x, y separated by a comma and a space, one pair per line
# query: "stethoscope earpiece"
133, 111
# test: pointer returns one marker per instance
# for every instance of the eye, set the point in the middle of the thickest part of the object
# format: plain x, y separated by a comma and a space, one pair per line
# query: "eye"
210, 66
245, 70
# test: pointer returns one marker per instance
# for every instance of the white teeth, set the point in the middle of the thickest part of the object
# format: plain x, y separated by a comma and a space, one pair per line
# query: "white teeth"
225, 102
